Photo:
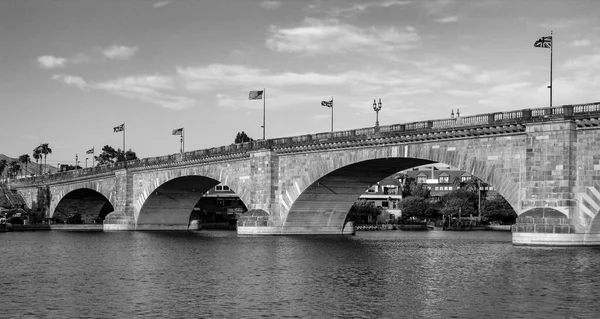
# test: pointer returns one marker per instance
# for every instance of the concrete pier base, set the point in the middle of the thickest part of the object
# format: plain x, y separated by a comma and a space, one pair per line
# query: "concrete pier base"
549, 239
244, 231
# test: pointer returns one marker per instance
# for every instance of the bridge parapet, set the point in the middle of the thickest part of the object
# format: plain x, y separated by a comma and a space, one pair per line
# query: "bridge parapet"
480, 124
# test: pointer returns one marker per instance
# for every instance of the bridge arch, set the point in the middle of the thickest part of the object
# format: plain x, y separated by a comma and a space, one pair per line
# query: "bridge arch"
170, 204
90, 204
90, 190
323, 194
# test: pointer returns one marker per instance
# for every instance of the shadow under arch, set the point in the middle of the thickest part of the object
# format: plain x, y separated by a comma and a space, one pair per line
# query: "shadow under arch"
543, 212
327, 200
91, 205
170, 205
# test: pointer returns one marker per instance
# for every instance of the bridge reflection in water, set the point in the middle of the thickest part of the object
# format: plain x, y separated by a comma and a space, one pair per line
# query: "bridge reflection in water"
535, 158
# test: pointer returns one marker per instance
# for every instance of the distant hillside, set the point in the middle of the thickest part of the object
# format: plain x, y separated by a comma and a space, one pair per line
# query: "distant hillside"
32, 168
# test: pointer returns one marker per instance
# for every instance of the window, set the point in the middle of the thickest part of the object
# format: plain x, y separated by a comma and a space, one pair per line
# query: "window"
444, 179
372, 189
465, 178
390, 190
222, 188
421, 179
385, 204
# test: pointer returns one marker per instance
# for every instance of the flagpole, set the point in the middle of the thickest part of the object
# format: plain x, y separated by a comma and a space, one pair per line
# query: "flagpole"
93, 155
332, 114
181, 140
264, 110
551, 48
124, 153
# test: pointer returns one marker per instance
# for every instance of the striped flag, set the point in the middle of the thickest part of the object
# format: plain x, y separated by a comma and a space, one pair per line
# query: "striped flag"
119, 128
91, 151
543, 42
327, 103
178, 131
255, 95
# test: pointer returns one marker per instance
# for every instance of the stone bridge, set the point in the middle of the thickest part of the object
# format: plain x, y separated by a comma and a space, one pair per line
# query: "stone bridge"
544, 161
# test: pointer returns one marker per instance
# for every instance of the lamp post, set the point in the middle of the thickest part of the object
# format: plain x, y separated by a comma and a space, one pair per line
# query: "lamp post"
376, 108
86, 159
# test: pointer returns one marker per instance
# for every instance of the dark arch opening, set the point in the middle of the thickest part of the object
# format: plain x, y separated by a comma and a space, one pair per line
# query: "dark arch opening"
174, 204
82, 205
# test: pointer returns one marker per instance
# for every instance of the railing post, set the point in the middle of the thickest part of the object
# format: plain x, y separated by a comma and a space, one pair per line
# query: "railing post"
568, 110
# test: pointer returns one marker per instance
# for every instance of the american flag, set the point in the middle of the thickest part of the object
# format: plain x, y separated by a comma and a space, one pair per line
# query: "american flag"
255, 95
119, 128
543, 42
90, 151
177, 131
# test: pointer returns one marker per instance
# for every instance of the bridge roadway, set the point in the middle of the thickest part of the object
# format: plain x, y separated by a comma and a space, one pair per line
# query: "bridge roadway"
544, 161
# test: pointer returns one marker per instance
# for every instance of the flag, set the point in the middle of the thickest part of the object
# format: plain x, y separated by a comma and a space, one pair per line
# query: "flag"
91, 151
543, 42
178, 131
119, 128
327, 103
255, 95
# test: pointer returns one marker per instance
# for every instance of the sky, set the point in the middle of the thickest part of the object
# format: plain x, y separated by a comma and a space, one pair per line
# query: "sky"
72, 70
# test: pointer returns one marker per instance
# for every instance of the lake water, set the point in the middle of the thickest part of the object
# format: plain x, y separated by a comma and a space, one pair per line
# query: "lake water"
215, 274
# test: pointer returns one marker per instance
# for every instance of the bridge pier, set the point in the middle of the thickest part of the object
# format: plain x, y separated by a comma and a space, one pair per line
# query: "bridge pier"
252, 226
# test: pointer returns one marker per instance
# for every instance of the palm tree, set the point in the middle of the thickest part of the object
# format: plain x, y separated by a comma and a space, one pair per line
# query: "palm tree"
45, 149
3, 165
37, 155
25, 158
14, 170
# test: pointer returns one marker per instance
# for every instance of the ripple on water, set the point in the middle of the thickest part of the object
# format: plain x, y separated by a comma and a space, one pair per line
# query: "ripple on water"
216, 274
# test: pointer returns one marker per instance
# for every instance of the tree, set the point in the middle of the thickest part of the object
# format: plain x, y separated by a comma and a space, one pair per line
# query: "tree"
419, 190
45, 150
110, 155
418, 207
241, 137
14, 169
498, 208
37, 155
459, 200
25, 159
362, 210
3, 165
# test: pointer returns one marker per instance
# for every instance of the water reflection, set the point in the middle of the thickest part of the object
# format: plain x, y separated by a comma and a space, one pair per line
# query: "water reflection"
216, 274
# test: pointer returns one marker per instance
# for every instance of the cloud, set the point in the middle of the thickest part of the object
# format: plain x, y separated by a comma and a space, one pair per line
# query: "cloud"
270, 4
583, 63
72, 80
331, 36
51, 62
160, 4
445, 20
153, 89
362, 7
119, 52
581, 43
149, 89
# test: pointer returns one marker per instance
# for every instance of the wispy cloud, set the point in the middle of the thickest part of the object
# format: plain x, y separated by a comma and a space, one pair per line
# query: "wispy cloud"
160, 4
119, 52
270, 4
51, 62
581, 43
148, 89
362, 7
450, 19
153, 89
72, 80
316, 37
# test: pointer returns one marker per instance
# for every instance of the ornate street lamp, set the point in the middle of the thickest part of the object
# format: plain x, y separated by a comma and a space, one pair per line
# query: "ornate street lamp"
376, 108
